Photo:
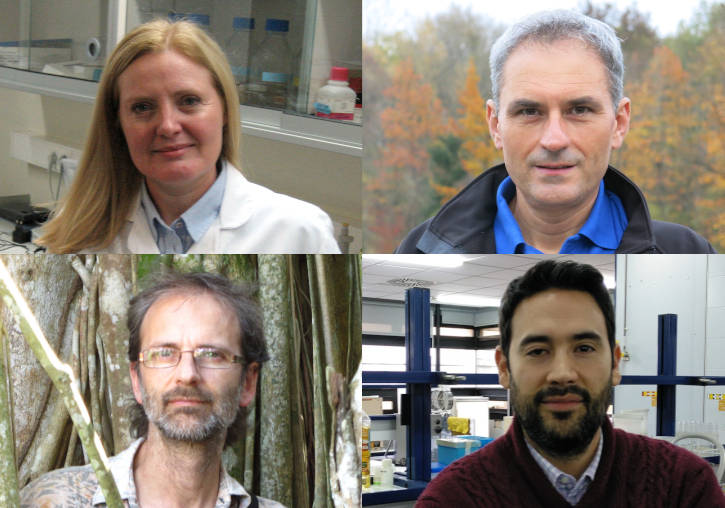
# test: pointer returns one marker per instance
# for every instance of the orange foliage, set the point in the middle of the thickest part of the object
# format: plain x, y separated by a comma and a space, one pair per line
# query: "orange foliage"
674, 150
478, 152
412, 120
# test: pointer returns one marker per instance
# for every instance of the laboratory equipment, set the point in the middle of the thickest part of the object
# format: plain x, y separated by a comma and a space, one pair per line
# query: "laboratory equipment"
365, 450
238, 53
271, 67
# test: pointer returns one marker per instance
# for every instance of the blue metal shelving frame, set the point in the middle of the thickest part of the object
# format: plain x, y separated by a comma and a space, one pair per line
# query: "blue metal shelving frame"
417, 351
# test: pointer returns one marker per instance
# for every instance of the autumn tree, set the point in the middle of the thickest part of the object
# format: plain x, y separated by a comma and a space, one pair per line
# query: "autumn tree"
399, 184
478, 151
675, 149
446, 169
469, 142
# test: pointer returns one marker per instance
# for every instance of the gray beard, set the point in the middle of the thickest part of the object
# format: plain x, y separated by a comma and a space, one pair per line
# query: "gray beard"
222, 415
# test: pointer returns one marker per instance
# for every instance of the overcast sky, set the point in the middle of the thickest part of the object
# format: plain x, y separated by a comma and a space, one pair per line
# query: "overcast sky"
396, 15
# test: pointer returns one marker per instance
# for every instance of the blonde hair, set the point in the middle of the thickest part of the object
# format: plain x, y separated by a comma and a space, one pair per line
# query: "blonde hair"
96, 207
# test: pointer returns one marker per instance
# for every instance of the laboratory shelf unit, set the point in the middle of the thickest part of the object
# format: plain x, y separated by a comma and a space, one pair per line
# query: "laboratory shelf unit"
418, 378
58, 48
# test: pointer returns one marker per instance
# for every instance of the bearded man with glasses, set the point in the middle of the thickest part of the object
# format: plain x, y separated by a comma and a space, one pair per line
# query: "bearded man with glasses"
195, 403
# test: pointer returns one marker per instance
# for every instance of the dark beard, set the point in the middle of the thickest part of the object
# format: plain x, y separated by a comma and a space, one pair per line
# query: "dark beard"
551, 441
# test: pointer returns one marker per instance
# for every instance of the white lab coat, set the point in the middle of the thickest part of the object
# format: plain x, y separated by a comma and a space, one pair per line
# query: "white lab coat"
252, 220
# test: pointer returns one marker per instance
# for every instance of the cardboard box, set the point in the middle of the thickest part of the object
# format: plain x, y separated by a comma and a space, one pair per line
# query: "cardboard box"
372, 404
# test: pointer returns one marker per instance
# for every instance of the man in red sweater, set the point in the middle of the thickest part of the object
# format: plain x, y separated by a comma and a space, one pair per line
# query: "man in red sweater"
559, 360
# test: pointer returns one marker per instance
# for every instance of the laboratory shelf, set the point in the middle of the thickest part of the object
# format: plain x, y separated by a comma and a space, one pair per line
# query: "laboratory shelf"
673, 380
407, 490
427, 377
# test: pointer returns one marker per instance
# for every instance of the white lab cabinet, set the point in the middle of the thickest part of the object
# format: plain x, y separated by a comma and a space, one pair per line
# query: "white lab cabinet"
58, 47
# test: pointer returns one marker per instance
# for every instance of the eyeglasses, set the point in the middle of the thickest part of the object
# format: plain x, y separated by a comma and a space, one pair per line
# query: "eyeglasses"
204, 357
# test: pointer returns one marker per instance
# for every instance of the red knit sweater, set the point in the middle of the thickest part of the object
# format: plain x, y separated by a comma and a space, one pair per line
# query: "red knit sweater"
634, 471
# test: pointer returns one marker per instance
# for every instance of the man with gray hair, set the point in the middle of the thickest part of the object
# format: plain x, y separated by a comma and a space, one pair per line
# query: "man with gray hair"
188, 406
557, 112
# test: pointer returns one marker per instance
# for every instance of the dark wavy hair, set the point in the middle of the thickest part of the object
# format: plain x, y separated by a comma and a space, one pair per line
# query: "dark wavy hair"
237, 297
550, 274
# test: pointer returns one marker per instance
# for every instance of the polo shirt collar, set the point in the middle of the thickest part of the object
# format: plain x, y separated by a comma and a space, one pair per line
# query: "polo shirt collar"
603, 228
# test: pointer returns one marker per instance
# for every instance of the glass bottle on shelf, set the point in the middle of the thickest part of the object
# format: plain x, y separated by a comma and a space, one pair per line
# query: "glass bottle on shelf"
195, 11
238, 52
366, 422
270, 67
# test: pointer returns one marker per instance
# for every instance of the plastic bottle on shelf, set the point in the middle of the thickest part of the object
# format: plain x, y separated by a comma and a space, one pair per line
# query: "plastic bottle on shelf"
365, 450
238, 52
386, 474
270, 67
336, 100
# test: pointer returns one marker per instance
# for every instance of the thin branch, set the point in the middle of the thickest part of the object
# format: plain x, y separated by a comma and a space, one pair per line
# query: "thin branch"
64, 381
9, 495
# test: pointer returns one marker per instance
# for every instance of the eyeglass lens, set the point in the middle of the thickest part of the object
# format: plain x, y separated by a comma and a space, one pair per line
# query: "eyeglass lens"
206, 357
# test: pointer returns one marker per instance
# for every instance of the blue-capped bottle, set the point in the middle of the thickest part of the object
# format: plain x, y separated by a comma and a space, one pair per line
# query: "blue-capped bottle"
238, 53
271, 67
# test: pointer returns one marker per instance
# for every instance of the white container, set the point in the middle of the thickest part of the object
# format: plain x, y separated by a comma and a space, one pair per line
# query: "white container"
386, 474
336, 100
633, 420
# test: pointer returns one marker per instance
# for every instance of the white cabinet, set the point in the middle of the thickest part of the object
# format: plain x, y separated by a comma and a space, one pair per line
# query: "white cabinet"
57, 48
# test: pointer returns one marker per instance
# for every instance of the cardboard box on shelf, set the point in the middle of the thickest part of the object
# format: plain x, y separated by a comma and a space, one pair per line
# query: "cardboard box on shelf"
372, 404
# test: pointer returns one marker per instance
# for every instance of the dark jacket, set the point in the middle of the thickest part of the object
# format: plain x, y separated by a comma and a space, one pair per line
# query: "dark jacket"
464, 225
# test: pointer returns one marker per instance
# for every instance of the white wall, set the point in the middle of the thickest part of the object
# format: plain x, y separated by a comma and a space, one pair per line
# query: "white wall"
715, 338
693, 287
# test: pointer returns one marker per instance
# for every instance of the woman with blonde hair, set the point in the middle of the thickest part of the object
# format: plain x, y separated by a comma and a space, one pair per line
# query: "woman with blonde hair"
159, 169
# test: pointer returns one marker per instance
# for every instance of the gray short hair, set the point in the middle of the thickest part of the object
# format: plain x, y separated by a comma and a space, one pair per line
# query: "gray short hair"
551, 26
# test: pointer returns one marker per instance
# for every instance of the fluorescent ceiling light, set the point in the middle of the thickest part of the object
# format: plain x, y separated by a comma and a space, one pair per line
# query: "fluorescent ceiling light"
467, 300
431, 260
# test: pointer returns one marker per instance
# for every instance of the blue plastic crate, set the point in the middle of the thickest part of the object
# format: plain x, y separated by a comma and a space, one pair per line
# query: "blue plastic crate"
454, 448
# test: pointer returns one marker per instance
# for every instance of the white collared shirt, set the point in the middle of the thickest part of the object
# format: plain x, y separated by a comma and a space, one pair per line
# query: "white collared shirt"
190, 227
565, 484
121, 467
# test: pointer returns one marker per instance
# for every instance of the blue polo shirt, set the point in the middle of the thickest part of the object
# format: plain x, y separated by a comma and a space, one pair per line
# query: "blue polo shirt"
600, 234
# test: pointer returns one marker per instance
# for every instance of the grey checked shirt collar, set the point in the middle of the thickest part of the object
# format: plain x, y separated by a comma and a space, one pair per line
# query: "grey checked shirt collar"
192, 224
565, 484
121, 467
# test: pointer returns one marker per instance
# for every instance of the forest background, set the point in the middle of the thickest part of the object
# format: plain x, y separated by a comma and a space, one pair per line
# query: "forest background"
426, 136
